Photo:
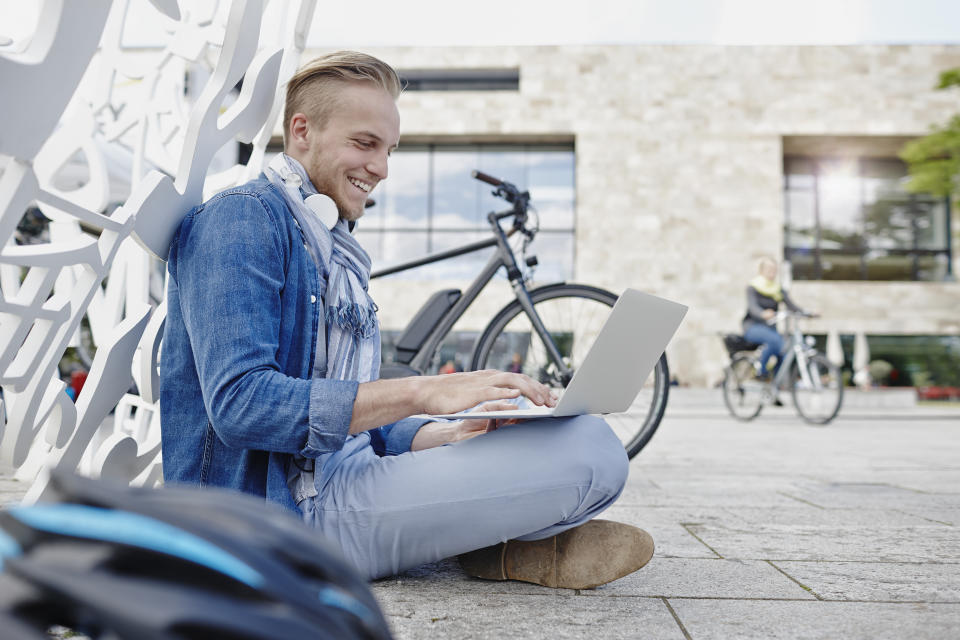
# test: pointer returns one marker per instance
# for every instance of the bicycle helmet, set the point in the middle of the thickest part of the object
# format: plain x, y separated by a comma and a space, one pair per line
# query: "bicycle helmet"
173, 563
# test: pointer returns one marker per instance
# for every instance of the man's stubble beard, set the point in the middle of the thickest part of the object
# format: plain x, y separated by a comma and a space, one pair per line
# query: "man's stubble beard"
346, 215
322, 187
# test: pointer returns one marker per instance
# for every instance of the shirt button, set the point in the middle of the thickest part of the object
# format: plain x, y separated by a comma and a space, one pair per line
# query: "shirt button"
313, 299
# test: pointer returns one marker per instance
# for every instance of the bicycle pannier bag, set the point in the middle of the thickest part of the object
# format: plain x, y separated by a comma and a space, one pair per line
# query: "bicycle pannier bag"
735, 343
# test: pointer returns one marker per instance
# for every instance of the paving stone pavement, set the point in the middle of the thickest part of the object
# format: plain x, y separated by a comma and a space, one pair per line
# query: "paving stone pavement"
769, 529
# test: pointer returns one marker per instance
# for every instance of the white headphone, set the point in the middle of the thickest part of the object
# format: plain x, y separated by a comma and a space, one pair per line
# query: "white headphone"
323, 206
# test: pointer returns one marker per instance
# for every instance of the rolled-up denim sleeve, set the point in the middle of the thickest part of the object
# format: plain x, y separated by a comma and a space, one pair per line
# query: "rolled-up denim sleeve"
397, 437
331, 409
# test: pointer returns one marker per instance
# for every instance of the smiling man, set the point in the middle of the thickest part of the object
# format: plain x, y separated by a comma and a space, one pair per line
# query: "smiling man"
269, 376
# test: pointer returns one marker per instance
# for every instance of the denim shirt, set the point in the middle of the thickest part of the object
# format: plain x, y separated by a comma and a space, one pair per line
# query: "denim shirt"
237, 400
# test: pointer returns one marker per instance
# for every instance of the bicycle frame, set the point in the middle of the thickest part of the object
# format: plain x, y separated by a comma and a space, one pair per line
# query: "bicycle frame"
795, 351
503, 257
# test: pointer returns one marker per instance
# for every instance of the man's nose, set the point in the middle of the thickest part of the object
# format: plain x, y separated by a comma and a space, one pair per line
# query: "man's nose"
378, 165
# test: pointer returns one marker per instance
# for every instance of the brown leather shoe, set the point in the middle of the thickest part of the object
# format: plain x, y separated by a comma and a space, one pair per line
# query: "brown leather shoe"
595, 553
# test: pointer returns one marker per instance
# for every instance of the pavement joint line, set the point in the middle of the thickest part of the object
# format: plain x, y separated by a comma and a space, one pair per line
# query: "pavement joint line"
816, 561
683, 629
949, 524
847, 560
792, 497
833, 600
916, 562
687, 525
746, 599
800, 584
905, 488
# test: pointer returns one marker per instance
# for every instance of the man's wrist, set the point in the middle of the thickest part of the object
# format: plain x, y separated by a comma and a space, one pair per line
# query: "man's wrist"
435, 434
418, 393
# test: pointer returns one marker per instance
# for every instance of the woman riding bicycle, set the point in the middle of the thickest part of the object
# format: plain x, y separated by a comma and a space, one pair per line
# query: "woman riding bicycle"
764, 295
815, 383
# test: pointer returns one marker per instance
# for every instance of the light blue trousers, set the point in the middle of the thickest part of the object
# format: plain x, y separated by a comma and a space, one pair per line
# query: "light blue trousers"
529, 481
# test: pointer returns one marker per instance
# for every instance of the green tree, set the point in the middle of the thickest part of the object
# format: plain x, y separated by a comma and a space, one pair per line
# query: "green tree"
934, 160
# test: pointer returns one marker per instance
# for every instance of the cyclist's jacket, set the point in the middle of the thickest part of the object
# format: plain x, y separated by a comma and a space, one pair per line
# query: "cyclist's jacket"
237, 397
762, 295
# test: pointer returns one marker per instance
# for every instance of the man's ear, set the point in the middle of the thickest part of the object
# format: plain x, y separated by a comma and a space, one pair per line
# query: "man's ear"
297, 136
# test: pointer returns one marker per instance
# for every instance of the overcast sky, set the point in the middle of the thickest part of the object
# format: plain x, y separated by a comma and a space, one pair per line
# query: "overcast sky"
494, 22
499, 22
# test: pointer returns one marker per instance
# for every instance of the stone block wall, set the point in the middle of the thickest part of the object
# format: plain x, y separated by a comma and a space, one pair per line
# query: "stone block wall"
679, 168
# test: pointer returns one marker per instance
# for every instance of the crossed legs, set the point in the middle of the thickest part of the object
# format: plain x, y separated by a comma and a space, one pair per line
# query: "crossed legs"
527, 481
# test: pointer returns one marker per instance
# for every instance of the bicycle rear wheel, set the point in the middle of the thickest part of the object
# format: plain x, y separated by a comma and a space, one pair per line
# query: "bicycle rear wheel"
573, 314
819, 401
742, 391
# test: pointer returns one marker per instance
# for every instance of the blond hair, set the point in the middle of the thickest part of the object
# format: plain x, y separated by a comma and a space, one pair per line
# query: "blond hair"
310, 90
765, 260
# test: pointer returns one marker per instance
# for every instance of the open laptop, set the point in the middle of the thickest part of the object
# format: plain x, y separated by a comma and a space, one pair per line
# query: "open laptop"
608, 380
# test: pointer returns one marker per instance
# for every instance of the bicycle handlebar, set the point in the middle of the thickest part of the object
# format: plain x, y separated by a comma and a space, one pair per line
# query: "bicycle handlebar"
483, 177
786, 313
506, 190
509, 192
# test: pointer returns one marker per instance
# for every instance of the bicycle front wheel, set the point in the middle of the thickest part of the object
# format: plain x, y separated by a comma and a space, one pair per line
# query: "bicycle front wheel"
818, 401
742, 391
573, 314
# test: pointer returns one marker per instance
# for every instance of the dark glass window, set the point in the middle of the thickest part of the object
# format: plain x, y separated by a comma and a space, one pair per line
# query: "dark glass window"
461, 79
852, 219
920, 361
431, 203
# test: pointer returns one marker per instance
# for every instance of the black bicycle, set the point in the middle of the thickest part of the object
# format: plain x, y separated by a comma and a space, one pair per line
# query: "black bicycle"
545, 332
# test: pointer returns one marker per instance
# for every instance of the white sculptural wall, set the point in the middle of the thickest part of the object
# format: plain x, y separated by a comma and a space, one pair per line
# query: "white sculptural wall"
72, 91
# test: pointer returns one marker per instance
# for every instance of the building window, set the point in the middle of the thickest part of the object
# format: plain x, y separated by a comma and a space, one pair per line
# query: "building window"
460, 79
931, 363
431, 203
852, 219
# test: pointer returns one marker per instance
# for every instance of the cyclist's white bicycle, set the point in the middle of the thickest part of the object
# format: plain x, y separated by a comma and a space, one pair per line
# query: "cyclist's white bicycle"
815, 383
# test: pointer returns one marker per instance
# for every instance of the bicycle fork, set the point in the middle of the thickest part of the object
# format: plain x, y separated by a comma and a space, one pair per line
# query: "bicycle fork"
523, 297
802, 362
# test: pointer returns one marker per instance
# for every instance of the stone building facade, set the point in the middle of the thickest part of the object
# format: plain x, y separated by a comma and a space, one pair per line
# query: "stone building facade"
679, 168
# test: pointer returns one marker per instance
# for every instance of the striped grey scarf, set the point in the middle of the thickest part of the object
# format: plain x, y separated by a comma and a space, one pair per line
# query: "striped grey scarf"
350, 350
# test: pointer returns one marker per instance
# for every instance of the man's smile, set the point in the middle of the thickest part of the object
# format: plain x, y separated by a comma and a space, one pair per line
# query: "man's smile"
360, 184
